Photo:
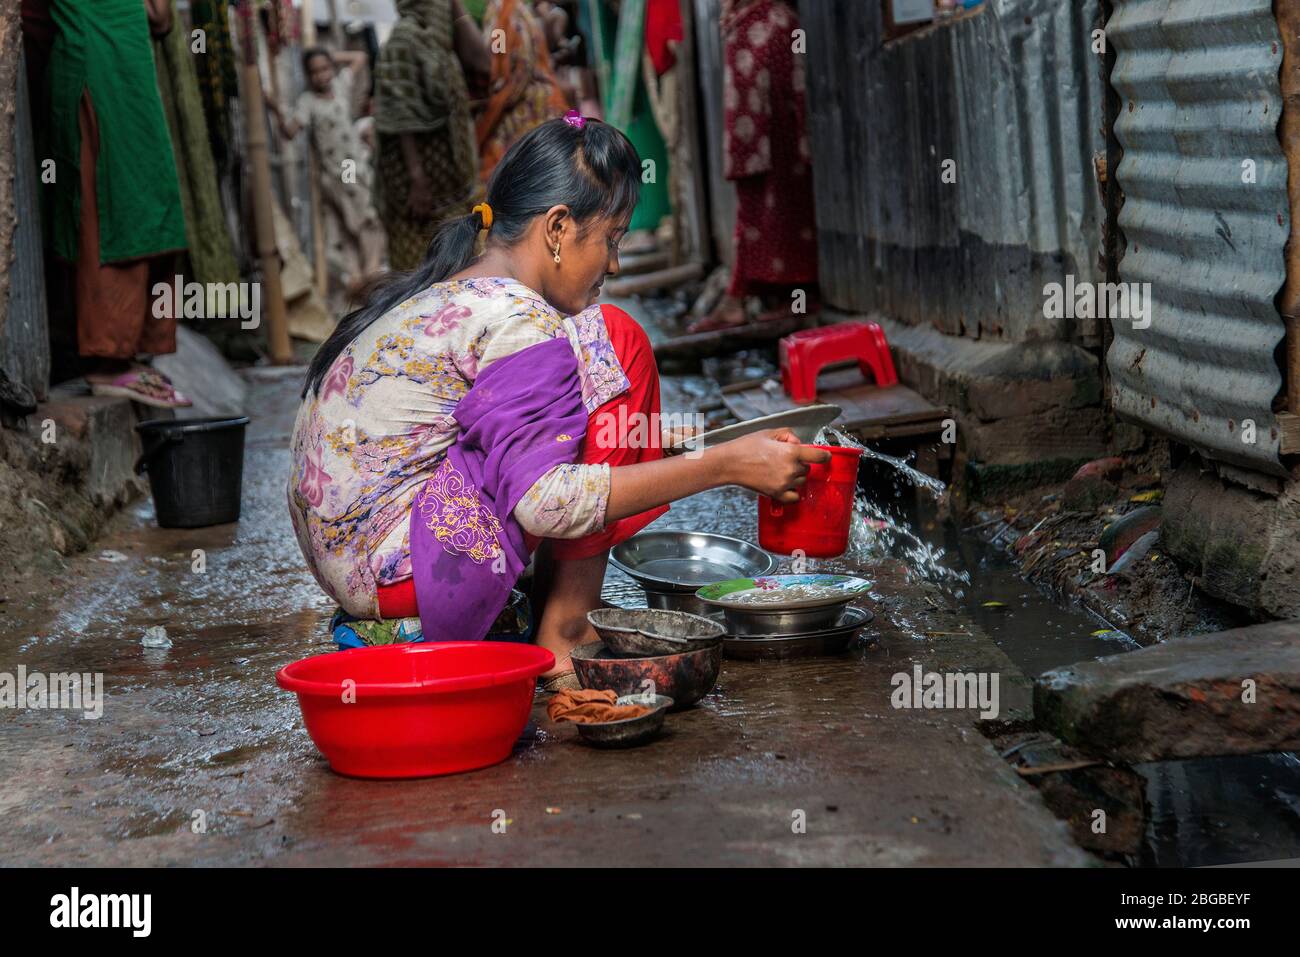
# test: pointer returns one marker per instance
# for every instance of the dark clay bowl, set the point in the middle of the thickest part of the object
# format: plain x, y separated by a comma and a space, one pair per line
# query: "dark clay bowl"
685, 677
629, 732
645, 632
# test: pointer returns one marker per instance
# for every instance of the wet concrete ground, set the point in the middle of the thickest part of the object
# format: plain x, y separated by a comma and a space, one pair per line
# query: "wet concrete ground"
200, 759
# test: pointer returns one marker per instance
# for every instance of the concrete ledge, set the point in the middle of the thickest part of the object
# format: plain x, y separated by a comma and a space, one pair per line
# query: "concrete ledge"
94, 445
1235, 692
62, 478
1244, 546
1032, 403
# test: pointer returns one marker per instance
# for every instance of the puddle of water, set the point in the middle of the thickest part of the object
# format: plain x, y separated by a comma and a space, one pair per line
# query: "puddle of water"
896, 514
1203, 812
1222, 810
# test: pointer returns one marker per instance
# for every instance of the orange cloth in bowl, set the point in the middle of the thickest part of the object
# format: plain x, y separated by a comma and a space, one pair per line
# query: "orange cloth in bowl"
591, 707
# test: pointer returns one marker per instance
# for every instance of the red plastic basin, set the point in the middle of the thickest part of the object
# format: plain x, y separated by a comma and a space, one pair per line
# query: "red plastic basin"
416, 710
818, 524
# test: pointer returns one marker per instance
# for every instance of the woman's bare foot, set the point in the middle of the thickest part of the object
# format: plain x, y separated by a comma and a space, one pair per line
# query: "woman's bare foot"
728, 314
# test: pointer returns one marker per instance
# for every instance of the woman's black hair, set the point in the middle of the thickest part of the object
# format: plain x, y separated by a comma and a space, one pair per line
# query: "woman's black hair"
312, 53
592, 169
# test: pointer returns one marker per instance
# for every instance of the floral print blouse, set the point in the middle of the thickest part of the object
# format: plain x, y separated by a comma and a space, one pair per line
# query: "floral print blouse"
383, 420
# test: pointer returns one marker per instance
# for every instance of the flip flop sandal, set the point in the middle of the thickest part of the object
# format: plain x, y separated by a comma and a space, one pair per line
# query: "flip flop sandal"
146, 386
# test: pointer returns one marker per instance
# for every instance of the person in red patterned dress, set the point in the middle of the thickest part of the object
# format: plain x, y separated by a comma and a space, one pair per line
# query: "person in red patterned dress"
766, 154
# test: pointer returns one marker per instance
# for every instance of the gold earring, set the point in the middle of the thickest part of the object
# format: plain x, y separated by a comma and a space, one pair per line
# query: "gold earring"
557, 252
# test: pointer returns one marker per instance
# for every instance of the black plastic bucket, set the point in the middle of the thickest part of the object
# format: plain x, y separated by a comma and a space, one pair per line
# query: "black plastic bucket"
196, 469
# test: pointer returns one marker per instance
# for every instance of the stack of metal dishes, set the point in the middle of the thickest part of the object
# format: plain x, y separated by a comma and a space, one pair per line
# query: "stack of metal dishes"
671, 566
787, 616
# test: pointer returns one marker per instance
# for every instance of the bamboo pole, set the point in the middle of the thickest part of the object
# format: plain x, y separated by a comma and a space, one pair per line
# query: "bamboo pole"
321, 275
273, 75
259, 162
336, 26
307, 20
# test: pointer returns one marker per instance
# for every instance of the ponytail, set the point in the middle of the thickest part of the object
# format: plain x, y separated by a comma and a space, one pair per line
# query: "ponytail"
591, 168
451, 251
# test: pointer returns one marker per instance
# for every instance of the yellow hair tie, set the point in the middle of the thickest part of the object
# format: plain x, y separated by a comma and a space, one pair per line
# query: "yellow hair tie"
485, 211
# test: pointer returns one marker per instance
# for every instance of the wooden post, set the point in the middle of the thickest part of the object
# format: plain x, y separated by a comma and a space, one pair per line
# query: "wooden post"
336, 26
694, 191
1114, 201
259, 162
307, 22
1288, 22
308, 18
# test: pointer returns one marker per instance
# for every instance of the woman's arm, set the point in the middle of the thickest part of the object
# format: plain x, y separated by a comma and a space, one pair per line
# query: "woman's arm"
160, 16
289, 126
564, 503
419, 201
772, 463
353, 60
471, 46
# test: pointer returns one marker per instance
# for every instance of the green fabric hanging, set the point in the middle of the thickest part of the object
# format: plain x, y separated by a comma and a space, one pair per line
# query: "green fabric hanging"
104, 48
218, 80
212, 252
639, 124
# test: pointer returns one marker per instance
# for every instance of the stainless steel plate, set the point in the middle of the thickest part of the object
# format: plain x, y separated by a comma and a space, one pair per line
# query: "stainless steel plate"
805, 422
783, 621
683, 561
827, 642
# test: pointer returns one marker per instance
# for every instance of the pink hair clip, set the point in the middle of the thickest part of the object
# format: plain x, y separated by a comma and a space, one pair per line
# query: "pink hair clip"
574, 118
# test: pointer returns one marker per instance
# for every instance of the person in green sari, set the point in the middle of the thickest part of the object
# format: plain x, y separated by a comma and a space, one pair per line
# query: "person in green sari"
115, 209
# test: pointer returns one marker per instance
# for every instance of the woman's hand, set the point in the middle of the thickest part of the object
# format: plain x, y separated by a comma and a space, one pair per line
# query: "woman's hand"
773, 463
676, 435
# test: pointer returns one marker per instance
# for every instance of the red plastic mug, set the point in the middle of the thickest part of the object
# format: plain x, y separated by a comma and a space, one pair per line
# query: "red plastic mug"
818, 524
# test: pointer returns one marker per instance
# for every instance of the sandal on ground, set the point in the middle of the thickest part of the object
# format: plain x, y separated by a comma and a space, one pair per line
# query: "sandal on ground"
564, 681
146, 386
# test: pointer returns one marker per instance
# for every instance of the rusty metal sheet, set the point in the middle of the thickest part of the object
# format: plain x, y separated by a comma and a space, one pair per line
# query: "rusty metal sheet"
1206, 217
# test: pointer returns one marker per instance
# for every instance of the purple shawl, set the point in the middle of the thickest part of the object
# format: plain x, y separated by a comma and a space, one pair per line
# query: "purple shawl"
523, 416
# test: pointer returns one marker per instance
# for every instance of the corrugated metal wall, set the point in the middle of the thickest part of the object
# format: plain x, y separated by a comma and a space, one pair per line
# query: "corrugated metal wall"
25, 338
1013, 95
1199, 82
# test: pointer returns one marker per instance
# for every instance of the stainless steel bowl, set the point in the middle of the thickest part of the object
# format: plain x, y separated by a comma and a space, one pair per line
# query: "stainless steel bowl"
782, 621
823, 643
684, 561
676, 601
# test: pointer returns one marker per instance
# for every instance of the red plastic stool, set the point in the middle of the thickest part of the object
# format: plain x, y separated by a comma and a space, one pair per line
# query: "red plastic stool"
804, 355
